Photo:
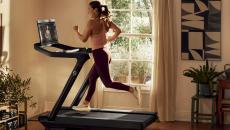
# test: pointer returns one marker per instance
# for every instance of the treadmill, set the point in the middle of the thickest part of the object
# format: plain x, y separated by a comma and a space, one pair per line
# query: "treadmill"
64, 118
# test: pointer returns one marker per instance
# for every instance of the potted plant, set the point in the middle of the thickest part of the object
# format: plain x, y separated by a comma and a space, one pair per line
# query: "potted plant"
119, 71
14, 89
140, 72
204, 77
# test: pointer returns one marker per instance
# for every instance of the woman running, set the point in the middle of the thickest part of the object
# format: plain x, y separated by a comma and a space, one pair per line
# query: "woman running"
96, 29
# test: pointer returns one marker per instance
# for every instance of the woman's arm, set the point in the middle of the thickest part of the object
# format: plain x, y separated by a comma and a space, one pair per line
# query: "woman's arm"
84, 37
116, 31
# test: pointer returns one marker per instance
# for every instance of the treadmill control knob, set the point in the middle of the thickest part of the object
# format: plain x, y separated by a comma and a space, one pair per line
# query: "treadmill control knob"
74, 73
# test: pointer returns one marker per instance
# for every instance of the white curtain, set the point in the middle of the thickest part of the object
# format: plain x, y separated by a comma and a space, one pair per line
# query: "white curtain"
162, 98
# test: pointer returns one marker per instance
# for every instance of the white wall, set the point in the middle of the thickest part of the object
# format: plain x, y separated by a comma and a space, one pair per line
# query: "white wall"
185, 89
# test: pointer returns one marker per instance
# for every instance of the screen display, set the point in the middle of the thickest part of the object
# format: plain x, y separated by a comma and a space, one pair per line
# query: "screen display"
47, 32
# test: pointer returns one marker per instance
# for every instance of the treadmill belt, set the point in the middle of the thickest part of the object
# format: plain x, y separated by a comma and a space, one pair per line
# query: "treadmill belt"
104, 116
101, 119
95, 115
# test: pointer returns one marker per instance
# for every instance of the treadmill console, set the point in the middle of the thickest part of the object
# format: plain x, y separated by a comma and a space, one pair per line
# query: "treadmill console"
61, 50
49, 44
47, 32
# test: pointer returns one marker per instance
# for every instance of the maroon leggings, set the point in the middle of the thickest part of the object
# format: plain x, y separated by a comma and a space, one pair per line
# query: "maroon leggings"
101, 69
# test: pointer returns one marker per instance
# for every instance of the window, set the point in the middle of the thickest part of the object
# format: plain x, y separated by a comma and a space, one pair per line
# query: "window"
132, 52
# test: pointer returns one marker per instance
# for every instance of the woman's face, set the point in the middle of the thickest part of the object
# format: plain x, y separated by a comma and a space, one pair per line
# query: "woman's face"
90, 10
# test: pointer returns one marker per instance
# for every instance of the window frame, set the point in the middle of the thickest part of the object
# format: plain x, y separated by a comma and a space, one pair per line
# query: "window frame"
144, 87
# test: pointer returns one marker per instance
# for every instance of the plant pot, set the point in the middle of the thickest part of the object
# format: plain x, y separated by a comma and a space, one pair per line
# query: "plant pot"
205, 90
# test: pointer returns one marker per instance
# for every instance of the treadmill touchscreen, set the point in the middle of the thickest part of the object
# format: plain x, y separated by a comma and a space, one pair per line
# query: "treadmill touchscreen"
47, 32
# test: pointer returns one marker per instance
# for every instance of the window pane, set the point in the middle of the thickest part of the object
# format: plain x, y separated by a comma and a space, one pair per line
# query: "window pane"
142, 4
120, 48
119, 71
142, 22
141, 72
118, 4
141, 48
122, 19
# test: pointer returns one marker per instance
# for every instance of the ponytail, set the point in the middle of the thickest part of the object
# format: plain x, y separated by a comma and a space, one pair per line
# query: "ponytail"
104, 11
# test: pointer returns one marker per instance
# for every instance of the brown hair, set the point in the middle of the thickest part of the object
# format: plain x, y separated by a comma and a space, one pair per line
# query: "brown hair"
102, 9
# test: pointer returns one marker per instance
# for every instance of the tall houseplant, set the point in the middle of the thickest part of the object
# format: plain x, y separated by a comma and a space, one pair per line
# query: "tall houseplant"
204, 76
13, 89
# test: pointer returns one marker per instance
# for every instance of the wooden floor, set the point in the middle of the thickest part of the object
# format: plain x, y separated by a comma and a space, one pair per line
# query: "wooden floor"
35, 125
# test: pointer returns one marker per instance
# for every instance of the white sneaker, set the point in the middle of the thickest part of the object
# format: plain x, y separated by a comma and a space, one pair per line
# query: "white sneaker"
137, 94
85, 108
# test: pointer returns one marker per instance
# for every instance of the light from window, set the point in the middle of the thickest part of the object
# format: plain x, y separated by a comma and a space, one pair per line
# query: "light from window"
132, 52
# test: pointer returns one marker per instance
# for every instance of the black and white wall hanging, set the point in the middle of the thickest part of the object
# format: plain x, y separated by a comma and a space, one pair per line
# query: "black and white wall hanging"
201, 27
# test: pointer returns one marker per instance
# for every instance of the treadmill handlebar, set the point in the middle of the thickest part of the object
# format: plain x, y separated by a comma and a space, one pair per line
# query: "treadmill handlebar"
63, 50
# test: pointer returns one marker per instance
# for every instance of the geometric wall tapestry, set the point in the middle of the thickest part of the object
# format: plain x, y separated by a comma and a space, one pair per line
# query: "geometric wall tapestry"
200, 29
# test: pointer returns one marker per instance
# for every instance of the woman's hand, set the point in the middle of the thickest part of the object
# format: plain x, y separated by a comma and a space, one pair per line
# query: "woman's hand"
116, 33
75, 28
85, 35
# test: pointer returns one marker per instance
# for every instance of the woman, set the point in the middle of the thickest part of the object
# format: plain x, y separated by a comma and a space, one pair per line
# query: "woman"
96, 29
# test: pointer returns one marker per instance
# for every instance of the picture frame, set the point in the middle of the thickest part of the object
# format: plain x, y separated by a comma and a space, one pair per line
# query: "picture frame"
201, 30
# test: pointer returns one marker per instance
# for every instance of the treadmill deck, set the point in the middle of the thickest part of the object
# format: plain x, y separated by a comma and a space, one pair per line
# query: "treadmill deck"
100, 119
